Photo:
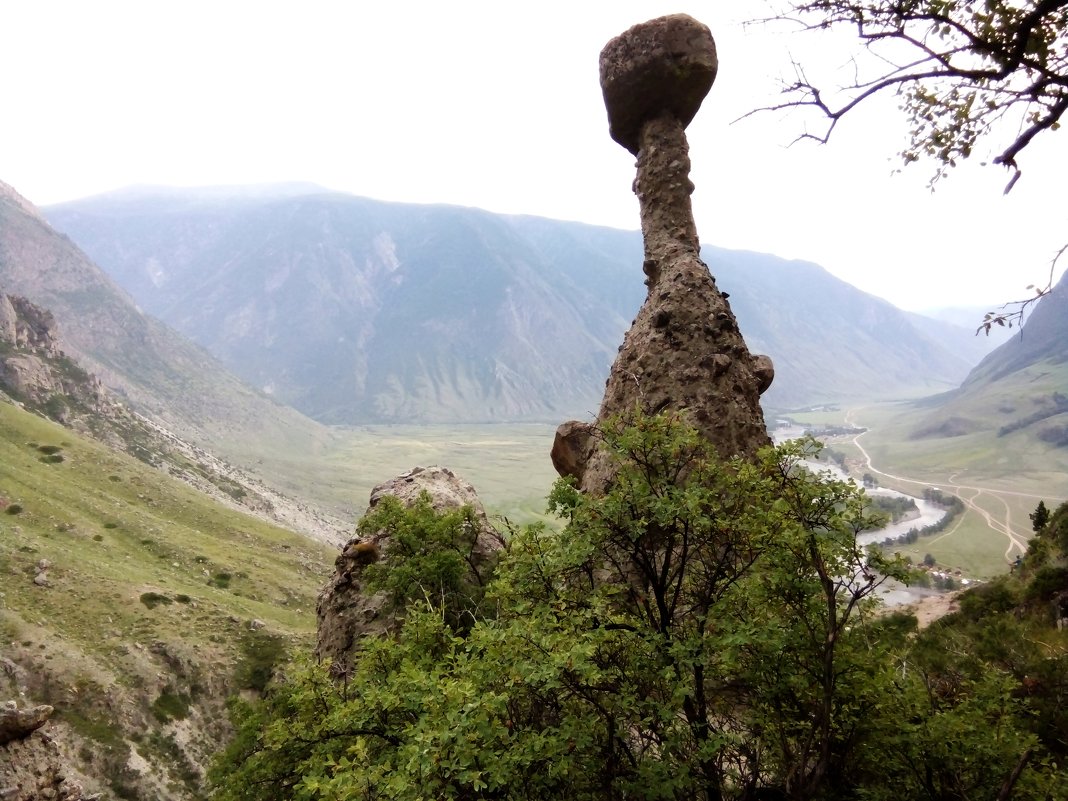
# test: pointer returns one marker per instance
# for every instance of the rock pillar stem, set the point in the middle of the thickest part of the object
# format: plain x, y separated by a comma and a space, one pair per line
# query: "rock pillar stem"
663, 188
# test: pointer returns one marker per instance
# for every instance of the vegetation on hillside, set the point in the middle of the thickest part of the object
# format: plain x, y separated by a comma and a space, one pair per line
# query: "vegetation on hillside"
707, 629
110, 611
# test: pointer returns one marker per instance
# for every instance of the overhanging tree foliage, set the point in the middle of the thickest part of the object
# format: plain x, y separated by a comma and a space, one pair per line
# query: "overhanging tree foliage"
964, 70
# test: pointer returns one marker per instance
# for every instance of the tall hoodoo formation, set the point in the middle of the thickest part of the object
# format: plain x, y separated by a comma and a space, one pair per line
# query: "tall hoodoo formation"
684, 351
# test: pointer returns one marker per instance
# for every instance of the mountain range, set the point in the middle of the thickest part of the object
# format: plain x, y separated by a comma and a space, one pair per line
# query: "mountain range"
354, 310
136, 605
1018, 392
160, 373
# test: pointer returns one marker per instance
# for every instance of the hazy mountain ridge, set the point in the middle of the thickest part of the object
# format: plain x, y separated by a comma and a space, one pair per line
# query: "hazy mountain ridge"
175, 382
355, 310
1022, 387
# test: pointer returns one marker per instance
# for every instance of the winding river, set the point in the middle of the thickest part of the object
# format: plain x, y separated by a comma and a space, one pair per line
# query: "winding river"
892, 593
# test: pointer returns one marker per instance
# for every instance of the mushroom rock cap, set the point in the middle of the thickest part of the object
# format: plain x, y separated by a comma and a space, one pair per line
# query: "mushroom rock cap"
667, 64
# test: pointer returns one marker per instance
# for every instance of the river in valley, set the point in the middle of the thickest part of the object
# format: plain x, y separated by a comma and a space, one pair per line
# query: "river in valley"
927, 514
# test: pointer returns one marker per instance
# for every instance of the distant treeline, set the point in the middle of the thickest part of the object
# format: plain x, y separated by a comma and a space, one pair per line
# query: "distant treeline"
834, 431
836, 457
894, 508
951, 503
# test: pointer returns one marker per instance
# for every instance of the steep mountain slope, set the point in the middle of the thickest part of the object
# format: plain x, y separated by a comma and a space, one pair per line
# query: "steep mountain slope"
1020, 391
37, 375
1044, 338
1009, 418
356, 311
157, 371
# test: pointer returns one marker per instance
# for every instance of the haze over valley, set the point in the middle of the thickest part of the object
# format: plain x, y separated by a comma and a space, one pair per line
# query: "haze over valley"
467, 489
282, 350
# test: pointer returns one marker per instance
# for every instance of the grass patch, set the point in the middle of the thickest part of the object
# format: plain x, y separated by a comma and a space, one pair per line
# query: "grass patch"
507, 463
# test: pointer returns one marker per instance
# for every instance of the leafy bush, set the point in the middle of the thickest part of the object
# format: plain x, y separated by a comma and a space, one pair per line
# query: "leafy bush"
154, 599
220, 580
706, 629
1046, 582
171, 705
432, 555
261, 654
13, 509
988, 599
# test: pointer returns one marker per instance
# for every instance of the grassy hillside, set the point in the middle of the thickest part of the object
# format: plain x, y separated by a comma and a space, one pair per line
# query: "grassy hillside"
1005, 434
143, 624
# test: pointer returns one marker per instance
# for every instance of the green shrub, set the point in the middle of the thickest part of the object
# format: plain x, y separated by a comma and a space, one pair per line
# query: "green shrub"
14, 509
220, 580
1047, 582
261, 653
154, 599
988, 599
49, 450
170, 706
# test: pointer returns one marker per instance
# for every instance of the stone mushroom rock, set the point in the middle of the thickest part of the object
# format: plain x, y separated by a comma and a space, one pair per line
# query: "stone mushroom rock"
346, 611
571, 449
666, 64
684, 351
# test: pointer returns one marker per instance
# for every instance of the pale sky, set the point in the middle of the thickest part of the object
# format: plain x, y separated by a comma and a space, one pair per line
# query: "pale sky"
497, 105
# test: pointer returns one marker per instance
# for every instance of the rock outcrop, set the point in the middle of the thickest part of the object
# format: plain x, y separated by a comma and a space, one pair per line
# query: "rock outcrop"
32, 765
684, 351
347, 612
33, 367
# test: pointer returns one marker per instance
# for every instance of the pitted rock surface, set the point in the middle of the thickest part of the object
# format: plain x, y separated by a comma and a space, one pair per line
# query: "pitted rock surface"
684, 351
346, 611
32, 766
